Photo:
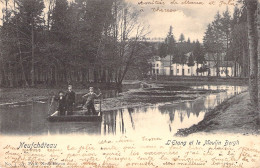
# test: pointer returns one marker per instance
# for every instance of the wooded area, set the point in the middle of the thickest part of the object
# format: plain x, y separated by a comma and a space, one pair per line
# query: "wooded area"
247, 38
57, 42
228, 38
227, 34
225, 41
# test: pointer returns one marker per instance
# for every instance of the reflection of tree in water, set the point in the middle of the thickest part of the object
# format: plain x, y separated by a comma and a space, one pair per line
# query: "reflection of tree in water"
130, 111
181, 116
172, 114
110, 122
166, 108
183, 109
189, 106
141, 109
198, 106
114, 120
121, 124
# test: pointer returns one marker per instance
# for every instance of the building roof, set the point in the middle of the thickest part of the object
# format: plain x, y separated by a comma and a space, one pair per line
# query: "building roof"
166, 61
154, 58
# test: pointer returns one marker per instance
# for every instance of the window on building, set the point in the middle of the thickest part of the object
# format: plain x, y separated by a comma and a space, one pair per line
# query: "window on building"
188, 71
157, 65
171, 72
153, 71
157, 71
177, 70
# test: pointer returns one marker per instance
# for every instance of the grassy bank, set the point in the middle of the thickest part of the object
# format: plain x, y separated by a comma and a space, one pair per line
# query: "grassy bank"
15, 95
199, 81
235, 115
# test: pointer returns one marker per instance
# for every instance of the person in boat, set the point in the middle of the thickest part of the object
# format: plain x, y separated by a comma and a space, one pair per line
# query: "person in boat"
61, 103
90, 104
70, 100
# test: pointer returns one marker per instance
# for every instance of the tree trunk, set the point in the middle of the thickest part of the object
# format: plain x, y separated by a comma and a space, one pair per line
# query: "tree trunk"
244, 67
3, 72
21, 63
10, 76
258, 53
218, 65
253, 88
32, 70
235, 69
227, 56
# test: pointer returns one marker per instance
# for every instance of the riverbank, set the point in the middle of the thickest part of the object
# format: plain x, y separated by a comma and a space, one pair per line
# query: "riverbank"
198, 82
235, 115
20, 95
134, 94
207, 80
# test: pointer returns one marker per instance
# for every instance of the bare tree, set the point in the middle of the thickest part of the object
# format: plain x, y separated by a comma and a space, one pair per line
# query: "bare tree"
128, 31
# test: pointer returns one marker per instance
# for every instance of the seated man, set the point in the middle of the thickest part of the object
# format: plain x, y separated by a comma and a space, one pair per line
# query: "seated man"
70, 100
62, 103
91, 96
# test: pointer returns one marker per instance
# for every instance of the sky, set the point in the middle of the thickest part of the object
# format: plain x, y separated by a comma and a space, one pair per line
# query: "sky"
189, 19
186, 17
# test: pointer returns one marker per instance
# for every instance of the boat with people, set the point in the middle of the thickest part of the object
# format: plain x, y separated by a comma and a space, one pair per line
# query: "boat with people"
67, 113
77, 116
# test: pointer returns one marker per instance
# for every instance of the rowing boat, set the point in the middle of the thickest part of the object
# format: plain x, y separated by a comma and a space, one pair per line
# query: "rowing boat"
77, 116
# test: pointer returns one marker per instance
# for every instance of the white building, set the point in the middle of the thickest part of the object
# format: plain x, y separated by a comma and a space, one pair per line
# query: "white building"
164, 66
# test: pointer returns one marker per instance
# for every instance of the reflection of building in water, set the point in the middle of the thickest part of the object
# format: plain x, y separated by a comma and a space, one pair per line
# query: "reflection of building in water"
210, 101
184, 109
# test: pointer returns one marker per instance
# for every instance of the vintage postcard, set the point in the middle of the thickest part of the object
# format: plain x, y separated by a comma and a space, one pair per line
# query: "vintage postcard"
129, 83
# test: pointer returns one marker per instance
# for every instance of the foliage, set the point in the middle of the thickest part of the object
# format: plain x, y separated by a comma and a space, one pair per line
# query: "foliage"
182, 38
81, 41
199, 53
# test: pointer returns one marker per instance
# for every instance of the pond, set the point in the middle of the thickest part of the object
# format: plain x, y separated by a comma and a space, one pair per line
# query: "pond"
162, 118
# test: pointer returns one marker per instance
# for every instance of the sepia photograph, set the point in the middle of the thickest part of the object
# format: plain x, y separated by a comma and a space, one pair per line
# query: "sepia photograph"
130, 83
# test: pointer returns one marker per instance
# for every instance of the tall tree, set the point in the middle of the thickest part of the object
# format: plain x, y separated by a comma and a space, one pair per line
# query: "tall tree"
258, 55
30, 14
226, 24
251, 6
198, 54
171, 46
210, 45
188, 41
182, 38
60, 24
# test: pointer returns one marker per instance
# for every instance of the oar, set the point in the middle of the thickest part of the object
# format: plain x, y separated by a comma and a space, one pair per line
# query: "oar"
50, 105
99, 102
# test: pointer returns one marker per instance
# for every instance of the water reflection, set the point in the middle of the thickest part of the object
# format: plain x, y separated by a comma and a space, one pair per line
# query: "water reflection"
166, 118
159, 119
